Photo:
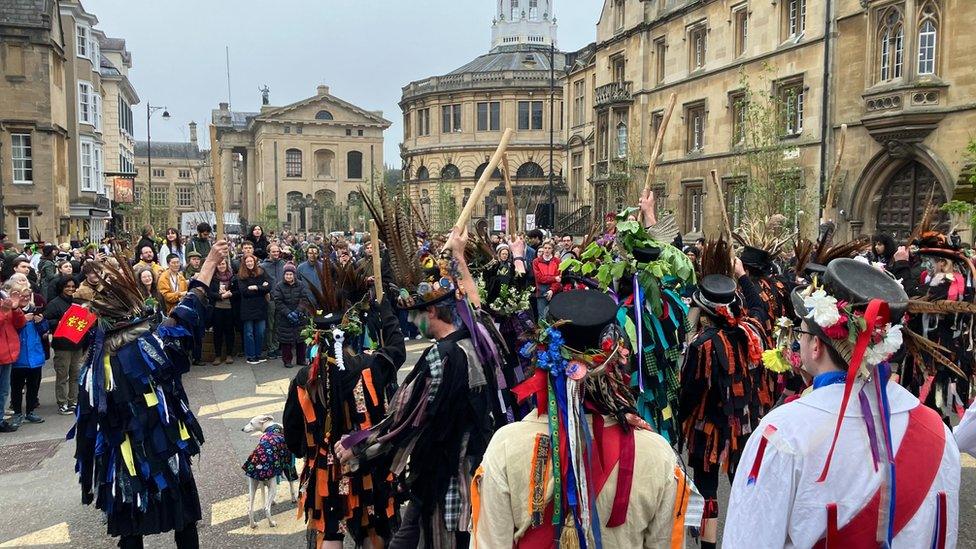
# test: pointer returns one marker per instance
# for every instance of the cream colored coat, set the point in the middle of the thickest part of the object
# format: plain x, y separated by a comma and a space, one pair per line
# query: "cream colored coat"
507, 466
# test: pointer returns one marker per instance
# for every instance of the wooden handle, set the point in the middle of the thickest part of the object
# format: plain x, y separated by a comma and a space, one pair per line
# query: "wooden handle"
377, 272
217, 174
828, 210
510, 197
721, 199
658, 140
479, 188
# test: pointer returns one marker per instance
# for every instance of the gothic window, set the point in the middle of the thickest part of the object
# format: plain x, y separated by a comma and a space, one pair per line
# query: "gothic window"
621, 140
423, 174
354, 165
927, 38
354, 198
450, 172
530, 170
293, 163
323, 115
891, 45
324, 158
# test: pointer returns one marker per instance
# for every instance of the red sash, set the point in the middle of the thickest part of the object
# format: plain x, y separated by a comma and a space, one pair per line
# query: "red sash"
611, 446
917, 463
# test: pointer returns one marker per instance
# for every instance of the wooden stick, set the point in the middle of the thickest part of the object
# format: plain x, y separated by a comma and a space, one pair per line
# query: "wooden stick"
374, 239
479, 188
721, 198
828, 211
216, 172
510, 196
658, 142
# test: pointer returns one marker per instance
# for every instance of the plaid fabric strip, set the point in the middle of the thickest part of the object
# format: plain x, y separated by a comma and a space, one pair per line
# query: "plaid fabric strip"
436, 373
452, 505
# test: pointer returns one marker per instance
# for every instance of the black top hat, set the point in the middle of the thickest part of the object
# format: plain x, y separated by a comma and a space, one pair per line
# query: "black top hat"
715, 290
812, 268
647, 254
755, 257
857, 283
327, 321
587, 313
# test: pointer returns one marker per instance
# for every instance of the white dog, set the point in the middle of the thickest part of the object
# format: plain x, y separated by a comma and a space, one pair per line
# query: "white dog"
268, 462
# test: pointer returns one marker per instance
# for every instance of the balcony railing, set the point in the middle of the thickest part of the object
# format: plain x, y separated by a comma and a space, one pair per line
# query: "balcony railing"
612, 94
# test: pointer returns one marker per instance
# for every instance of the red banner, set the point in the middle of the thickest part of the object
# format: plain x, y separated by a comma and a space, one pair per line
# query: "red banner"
75, 323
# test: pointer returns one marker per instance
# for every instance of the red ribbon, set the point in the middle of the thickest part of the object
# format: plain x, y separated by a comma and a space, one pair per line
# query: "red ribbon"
536, 385
877, 310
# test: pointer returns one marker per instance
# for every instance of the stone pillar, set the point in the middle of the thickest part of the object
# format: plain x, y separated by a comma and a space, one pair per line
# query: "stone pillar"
253, 205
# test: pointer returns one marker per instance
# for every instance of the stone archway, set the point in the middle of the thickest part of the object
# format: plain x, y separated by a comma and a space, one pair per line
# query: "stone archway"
904, 197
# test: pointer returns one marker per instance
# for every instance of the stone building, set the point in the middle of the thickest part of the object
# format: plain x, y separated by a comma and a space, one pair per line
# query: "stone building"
178, 182
89, 205
885, 70
453, 123
34, 129
118, 97
302, 164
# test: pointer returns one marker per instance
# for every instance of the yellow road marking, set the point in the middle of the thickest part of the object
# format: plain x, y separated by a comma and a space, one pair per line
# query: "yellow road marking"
53, 535
227, 405
236, 507
218, 377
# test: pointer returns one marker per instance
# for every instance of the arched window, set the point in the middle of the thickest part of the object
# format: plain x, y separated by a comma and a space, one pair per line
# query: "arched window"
324, 158
621, 140
891, 45
354, 165
928, 28
293, 163
530, 170
296, 201
324, 214
450, 172
497, 174
324, 115
354, 198
423, 174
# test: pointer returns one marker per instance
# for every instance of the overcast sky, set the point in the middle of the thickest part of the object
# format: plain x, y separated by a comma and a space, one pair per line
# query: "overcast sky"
365, 50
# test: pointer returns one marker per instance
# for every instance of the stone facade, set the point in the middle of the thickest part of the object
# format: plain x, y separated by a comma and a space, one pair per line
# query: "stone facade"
301, 165
34, 129
118, 98
908, 126
180, 182
453, 123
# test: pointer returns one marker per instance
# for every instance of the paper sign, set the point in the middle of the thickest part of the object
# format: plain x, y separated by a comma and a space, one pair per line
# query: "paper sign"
529, 222
75, 323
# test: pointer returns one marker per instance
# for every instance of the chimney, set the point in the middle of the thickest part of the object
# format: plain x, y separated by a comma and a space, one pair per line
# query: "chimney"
193, 134
323, 90
225, 106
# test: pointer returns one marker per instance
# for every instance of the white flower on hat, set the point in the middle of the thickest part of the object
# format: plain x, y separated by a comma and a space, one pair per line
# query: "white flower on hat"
822, 308
876, 354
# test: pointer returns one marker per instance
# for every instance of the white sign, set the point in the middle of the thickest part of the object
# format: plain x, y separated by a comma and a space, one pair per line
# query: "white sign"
529, 222
500, 223
791, 154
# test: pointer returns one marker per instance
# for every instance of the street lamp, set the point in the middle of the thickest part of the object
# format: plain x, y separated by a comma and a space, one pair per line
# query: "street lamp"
149, 111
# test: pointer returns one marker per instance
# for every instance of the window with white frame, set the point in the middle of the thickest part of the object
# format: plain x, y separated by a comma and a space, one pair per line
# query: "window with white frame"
125, 117
579, 102
184, 197
97, 170
698, 39
125, 160
740, 17
791, 99
86, 110
87, 172
23, 158
795, 18
23, 229
97, 111
891, 46
81, 47
694, 207
157, 195
927, 39
695, 121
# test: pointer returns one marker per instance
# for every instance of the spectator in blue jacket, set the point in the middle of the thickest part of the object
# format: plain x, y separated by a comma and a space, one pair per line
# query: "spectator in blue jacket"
26, 372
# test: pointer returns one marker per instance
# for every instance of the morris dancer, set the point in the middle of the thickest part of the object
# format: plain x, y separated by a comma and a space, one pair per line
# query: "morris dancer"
824, 470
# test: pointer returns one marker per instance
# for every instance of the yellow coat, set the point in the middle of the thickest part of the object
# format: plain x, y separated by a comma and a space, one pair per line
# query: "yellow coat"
171, 296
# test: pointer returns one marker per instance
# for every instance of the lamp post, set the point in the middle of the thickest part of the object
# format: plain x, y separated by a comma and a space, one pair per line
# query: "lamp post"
149, 111
552, 132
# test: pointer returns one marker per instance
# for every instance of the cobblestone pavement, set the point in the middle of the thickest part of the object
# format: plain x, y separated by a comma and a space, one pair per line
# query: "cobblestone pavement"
41, 500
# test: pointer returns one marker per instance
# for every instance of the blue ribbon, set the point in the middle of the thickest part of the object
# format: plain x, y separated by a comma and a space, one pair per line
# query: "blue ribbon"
829, 378
638, 313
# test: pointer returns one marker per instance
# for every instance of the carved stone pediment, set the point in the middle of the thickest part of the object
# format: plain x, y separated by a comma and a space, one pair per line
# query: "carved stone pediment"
899, 132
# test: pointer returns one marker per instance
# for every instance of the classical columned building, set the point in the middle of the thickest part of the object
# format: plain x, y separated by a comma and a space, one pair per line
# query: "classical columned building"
300, 166
453, 122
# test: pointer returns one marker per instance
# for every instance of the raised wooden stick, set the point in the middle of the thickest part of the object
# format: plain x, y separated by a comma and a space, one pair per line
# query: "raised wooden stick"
828, 210
377, 268
510, 196
656, 147
479, 188
216, 172
721, 199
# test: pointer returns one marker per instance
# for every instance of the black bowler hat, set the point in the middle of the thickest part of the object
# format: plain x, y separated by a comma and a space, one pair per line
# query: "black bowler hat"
812, 269
587, 312
647, 254
857, 283
327, 321
756, 258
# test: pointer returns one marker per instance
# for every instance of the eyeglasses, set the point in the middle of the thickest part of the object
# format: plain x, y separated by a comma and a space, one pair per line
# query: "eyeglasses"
798, 331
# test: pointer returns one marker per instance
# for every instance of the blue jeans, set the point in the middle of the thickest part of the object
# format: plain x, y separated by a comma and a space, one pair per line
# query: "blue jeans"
4, 386
253, 337
542, 307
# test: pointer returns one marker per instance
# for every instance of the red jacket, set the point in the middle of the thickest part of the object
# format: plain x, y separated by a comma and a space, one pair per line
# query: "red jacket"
10, 323
545, 275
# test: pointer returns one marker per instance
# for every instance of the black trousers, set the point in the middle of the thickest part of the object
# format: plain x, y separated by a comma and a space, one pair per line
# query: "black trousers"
408, 536
187, 538
21, 378
223, 332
